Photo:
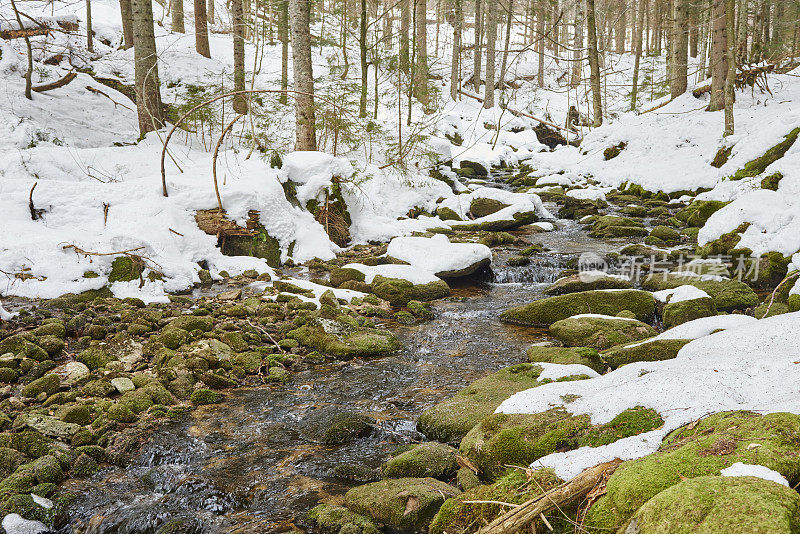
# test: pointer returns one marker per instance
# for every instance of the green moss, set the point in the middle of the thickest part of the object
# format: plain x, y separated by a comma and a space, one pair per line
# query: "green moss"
629, 423
20, 346
419, 309
173, 338
47, 469
345, 427
343, 340
53, 327
84, 466
8, 375
399, 292
261, 245
95, 358
333, 519
688, 310
121, 413
340, 275
496, 239
481, 207
456, 515
599, 332
190, 323
721, 157
517, 220
446, 214
125, 269
613, 151
48, 384
760, 164
25, 506
724, 244
666, 234
698, 212
452, 418
547, 311
777, 308
432, 459
568, 356
651, 351
75, 413
584, 282
772, 182
403, 503
10, 460
728, 295
714, 504
205, 396
700, 449
28, 442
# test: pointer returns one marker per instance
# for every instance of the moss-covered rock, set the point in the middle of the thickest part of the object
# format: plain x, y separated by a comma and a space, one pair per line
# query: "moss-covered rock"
567, 356
703, 448
767, 310
344, 340
648, 351
173, 338
340, 275
19, 346
121, 413
586, 282
599, 332
333, 519
724, 244
125, 269
95, 358
399, 292
205, 396
48, 384
405, 504
714, 504
190, 323
515, 487
547, 311
435, 460
728, 295
481, 207
447, 214
698, 212
760, 164
10, 460
452, 418
666, 234
675, 313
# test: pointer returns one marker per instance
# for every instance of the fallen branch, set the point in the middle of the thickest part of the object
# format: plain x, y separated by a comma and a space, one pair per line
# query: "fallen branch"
521, 516
518, 113
56, 84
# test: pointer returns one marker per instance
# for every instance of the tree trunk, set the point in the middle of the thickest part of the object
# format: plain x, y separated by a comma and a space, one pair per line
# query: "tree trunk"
719, 52
176, 7
694, 31
147, 85
126, 14
421, 52
210, 11
755, 42
680, 49
491, 46
638, 51
507, 46
89, 32
405, 26
621, 29
730, 79
362, 47
201, 28
742, 30
540, 38
237, 19
29, 70
594, 64
299, 17
455, 64
577, 45
476, 75
283, 36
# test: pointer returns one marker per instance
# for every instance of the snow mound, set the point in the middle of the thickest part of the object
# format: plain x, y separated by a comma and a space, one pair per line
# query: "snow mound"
751, 367
413, 274
554, 371
438, 255
749, 470
589, 194
314, 171
16, 524
679, 294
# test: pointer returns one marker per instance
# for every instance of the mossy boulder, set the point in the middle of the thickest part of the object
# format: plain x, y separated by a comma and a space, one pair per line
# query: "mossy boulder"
173, 338
609, 226
435, 460
666, 234
399, 292
586, 282
10, 460
698, 212
47, 384
344, 340
121, 413
728, 295
190, 323
332, 519
452, 418
515, 487
447, 214
547, 311
95, 358
600, 332
332, 425
767, 310
205, 396
19, 346
520, 439
478, 168
49, 426
675, 313
405, 504
724, 244
649, 351
340, 275
760, 164
700, 449
714, 504
568, 356
125, 269
481, 207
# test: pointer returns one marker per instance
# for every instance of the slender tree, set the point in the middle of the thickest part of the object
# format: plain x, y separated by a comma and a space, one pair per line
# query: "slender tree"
126, 14
201, 29
237, 20
421, 52
730, 79
577, 45
147, 85
638, 51
507, 46
455, 65
89, 32
29, 70
594, 64
283, 36
305, 118
210, 11
405, 28
491, 46
719, 52
362, 47
476, 74
540, 44
680, 49
176, 7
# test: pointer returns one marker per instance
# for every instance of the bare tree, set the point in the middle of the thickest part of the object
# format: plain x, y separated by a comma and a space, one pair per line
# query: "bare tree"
126, 14
680, 49
730, 79
719, 53
176, 7
305, 118
577, 45
540, 38
362, 47
455, 65
29, 71
594, 63
89, 32
491, 46
147, 85
638, 51
201, 29
476, 75
421, 52
405, 28
237, 18
283, 36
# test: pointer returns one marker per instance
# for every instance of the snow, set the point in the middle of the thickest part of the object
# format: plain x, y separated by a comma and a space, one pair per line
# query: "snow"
16, 524
6, 315
42, 501
437, 254
517, 203
748, 470
750, 367
403, 272
705, 326
600, 316
588, 194
318, 289
554, 371
544, 226
315, 172
680, 294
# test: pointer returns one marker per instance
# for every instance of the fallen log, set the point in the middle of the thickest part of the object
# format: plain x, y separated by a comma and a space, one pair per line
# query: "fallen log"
27, 32
56, 84
523, 515
746, 77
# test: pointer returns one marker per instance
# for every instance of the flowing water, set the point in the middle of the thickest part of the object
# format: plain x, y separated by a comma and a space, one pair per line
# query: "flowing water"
251, 464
